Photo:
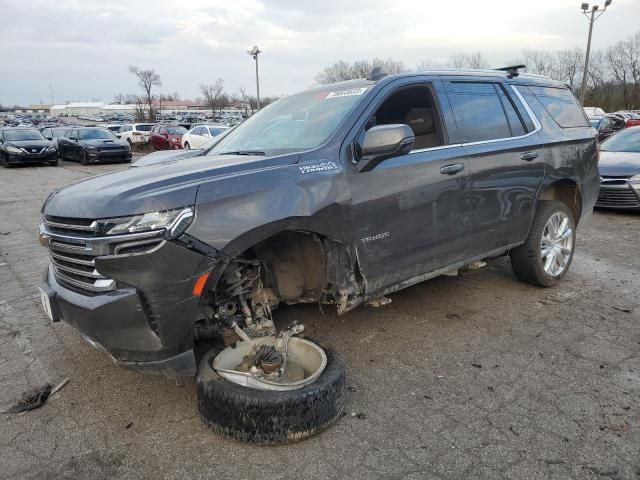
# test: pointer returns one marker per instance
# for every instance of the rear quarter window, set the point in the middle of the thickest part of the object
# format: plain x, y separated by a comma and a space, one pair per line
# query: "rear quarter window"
561, 105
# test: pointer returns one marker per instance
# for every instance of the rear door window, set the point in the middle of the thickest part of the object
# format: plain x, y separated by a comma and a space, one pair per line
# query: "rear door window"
478, 111
561, 105
513, 117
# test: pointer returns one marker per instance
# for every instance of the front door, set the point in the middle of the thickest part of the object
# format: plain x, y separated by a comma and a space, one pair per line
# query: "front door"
411, 213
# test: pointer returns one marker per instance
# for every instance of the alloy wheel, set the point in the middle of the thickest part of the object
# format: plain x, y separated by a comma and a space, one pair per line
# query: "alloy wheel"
556, 245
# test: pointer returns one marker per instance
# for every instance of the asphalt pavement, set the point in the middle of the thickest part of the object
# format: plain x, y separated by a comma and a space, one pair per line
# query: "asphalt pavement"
468, 377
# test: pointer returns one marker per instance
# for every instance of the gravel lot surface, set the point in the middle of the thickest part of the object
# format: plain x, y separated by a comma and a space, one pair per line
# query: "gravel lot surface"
468, 377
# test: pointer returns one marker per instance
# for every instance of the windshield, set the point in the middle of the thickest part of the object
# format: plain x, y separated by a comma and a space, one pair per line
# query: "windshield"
144, 128
214, 131
19, 135
176, 130
625, 141
95, 135
296, 123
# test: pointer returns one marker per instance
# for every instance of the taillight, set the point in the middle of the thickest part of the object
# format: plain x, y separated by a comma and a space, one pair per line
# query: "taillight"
632, 122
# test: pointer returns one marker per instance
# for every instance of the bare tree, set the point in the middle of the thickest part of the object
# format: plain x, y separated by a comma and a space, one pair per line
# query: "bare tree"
540, 62
213, 94
569, 66
147, 79
342, 70
426, 64
474, 60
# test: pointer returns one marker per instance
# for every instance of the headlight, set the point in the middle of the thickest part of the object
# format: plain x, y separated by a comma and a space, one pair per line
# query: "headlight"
91, 149
635, 179
173, 221
11, 149
51, 148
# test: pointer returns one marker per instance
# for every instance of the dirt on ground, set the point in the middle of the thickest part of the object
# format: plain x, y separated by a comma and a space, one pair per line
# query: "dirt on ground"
468, 377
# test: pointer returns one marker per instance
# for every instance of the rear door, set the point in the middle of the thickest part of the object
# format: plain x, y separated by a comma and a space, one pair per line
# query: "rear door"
506, 155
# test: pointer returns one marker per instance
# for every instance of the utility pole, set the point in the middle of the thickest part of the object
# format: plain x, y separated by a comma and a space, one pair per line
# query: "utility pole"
592, 16
254, 53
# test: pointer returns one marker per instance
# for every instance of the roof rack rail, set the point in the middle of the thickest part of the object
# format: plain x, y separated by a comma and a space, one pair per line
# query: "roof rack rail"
512, 71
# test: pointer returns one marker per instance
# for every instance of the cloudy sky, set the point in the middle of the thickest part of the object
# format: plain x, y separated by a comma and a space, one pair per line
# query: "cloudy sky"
82, 47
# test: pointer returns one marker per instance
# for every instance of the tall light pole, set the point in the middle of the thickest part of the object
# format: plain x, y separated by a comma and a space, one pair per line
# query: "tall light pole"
592, 16
254, 53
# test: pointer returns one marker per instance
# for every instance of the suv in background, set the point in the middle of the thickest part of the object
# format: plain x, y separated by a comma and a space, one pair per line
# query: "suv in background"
337, 195
135, 132
166, 137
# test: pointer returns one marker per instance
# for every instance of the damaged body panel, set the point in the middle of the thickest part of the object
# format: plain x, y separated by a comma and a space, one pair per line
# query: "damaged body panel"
334, 196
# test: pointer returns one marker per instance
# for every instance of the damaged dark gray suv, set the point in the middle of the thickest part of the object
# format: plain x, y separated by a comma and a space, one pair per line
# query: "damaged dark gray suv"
337, 195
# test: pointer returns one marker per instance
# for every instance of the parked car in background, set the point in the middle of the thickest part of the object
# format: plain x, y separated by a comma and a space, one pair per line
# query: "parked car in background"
54, 133
610, 124
619, 168
631, 119
594, 112
135, 132
93, 144
171, 156
25, 145
166, 137
201, 134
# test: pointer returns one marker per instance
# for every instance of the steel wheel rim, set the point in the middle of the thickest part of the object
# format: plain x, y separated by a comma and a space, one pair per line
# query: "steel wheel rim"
556, 245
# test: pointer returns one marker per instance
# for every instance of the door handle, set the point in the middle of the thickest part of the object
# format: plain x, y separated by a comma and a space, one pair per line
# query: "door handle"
452, 169
527, 157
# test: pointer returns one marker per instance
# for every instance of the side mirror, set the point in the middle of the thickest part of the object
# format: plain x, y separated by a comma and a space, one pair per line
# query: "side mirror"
49, 138
382, 142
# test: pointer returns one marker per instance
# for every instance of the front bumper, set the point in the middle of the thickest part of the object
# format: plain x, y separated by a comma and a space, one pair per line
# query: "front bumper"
618, 193
108, 156
44, 157
147, 322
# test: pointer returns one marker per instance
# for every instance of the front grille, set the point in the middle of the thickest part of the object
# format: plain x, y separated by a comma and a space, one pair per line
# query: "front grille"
75, 243
34, 150
70, 225
617, 193
76, 268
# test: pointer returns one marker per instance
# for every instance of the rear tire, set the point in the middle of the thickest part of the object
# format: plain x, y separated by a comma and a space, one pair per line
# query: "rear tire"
270, 417
53, 164
187, 146
542, 262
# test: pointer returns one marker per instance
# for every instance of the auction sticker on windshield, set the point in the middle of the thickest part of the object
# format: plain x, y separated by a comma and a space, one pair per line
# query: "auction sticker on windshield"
347, 92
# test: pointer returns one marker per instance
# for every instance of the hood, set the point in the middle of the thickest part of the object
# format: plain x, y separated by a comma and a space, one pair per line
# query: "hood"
164, 156
27, 144
619, 164
103, 144
159, 187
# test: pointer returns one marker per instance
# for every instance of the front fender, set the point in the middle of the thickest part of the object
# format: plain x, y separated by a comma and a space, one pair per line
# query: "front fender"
235, 213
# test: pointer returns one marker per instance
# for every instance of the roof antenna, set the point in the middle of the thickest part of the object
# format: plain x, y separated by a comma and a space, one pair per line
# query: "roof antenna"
376, 74
512, 71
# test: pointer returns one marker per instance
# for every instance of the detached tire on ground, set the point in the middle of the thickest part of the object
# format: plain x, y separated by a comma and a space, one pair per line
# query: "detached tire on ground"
531, 262
270, 417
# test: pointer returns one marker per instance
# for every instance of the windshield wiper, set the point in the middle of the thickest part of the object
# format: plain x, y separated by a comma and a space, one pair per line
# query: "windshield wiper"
243, 152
